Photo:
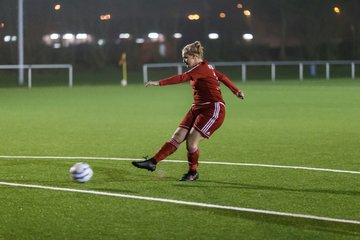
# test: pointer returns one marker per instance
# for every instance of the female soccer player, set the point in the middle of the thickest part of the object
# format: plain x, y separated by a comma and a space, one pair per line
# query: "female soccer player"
206, 114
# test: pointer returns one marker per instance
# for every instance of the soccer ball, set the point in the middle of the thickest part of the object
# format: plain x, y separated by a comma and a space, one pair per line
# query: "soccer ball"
81, 172
123, 82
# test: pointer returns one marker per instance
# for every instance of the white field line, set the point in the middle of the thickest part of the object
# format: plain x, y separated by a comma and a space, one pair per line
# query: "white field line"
206, 205
202, 162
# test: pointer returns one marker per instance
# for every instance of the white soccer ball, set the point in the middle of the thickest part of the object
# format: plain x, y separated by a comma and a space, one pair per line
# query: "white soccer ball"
123, 82
81, 172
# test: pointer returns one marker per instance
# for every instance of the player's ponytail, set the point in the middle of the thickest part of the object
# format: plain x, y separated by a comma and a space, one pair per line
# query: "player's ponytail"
194, 49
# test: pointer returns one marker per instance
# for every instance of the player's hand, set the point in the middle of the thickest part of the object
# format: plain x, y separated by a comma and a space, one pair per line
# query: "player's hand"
152, 83
240, 94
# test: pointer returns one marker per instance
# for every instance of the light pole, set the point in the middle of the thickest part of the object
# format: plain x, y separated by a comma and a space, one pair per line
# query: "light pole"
21, 42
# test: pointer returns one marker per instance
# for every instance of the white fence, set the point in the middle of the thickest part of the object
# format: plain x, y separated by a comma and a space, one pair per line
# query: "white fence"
272, 65
41, 66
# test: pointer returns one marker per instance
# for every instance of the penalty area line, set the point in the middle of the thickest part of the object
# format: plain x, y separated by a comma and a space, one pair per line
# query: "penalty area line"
181, 161
197, 204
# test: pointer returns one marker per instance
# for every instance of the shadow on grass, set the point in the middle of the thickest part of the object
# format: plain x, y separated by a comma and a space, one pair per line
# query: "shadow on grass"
218, 184
347, 229
307, 224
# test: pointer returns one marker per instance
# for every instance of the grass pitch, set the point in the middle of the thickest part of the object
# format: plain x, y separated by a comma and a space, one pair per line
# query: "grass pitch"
310, 123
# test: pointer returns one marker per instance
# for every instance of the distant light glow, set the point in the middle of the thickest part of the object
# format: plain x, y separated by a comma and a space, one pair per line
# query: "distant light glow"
7, 38
156, 37
140, 40
194, 17
13, 38
248, 36
105, 17
68, 36
101, 42
247, 13
337, 10
222, 15
54, 36
177, 35
57, 7
153, 35
67, 39
213, 36
57, 45
124, 35
81, 36
239, 5
2, 25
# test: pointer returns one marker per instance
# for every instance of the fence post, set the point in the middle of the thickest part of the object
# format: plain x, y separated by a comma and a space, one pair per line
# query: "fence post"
145, 73
243, 72
29, 77
179, 69
301, 71
70, 76
327, 71
273, 72
353, 70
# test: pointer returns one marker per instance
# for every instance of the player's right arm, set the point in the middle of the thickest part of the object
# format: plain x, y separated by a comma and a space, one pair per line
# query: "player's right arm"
152, 83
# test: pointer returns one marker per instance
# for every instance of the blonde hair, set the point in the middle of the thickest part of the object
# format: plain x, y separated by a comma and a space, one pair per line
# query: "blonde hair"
194, 49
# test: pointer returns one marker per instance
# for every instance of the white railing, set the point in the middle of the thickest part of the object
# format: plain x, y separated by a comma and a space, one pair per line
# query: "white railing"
272, 65
30, 67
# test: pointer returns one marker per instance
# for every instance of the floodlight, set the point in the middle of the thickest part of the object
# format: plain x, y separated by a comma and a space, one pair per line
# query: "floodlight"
124, 35
153, 35
7, 38
54, 36
140, 40
81, 36
68, 36
248, 36
177, 35
213, 35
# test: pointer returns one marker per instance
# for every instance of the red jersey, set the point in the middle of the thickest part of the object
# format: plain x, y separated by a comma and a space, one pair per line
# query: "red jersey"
205, 81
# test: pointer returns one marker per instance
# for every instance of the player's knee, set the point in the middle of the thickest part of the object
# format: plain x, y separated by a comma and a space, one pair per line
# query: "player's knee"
190, 145
179, 136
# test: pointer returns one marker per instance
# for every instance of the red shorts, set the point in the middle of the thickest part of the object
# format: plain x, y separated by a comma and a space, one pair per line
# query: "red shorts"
205, 118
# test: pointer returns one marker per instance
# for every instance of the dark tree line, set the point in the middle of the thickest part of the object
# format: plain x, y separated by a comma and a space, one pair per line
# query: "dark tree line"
282, 29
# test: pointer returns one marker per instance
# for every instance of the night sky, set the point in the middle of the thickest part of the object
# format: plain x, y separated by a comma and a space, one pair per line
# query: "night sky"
274, 23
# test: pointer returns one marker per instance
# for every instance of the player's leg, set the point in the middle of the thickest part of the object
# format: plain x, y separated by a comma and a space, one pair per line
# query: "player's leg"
170, 146
193, 139
209, 119
166, 150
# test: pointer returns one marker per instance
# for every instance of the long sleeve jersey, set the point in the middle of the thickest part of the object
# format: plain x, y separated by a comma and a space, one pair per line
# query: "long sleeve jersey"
205, 81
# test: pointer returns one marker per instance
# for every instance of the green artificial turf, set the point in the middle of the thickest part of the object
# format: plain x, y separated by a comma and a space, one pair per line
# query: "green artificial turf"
310, 123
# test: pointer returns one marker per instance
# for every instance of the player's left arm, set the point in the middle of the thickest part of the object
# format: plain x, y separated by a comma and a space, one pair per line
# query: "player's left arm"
224, 79
176, 79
